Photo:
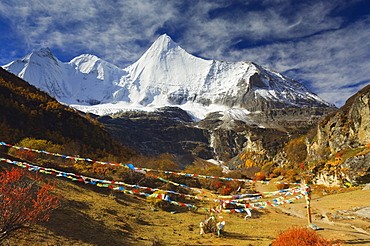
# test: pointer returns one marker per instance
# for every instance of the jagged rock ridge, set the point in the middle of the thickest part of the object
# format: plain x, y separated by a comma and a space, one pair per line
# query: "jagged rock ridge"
342, 144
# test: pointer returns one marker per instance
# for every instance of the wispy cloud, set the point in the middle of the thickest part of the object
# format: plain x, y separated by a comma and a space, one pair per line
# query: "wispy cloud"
111, 30
311, 41
333, 64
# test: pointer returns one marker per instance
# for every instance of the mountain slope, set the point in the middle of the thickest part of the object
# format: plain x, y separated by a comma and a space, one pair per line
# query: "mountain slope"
27, 112
166, 75
348, 127
44, 70
342, 143
85, 79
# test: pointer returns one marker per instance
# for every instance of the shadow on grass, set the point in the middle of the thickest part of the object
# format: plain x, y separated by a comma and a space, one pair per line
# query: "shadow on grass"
76, 225
234, 235
357, 242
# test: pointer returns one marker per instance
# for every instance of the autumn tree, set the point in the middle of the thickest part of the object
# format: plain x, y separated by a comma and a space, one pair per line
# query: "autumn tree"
166, 162
296, 150
23, 202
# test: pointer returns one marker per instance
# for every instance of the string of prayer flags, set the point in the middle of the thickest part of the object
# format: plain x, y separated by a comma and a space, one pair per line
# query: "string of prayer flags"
144, 170
116, 185
111, 185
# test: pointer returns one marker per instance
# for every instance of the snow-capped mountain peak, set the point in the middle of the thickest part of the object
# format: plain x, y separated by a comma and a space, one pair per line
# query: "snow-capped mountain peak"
42, 69
163, 44
90, 64
38, 55
86, 63
165, 75
42, 56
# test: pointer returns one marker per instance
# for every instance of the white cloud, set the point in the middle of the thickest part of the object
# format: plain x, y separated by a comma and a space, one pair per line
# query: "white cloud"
109, 29
112, 28
330, 62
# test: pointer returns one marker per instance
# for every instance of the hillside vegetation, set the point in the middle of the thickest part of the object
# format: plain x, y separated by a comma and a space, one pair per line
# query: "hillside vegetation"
27, 112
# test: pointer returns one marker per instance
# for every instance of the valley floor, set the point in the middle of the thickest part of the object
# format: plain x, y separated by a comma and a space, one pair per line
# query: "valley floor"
96, 216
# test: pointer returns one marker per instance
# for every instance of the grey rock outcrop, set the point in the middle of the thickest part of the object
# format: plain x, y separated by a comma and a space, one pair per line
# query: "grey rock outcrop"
342, 143
168, 130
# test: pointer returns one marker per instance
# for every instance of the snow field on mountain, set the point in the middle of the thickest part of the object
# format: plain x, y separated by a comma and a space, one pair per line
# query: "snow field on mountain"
165, 75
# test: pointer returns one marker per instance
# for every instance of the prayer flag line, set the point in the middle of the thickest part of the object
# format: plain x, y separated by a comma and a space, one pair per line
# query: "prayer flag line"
110, 184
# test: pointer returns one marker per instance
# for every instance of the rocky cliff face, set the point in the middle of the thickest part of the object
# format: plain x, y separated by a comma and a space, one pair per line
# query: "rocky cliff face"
290, 119
229, 138
220, 136
340, 148
167, 130
354, 170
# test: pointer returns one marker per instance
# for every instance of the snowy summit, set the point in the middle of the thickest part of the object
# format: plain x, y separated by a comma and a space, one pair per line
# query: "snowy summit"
165, 75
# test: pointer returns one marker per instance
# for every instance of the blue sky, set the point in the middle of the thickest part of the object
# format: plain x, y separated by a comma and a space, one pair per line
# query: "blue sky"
324, 44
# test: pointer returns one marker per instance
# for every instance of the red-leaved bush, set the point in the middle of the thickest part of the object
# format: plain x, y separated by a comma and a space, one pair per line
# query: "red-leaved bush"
261, 177
22, 202
282, 186
302, 237
27, 155
217, 184
225, 191
272, 175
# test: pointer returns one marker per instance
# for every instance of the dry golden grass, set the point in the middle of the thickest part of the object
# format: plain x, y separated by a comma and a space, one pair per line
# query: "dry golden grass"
97, 216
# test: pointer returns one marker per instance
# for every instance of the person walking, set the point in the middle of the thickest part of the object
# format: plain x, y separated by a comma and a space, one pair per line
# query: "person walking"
220, 226
201, 226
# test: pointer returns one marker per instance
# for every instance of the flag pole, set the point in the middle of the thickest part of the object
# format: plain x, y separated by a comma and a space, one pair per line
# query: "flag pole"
308, 203
307, 194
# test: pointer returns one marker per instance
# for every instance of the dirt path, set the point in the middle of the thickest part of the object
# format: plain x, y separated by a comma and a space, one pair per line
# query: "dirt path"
338, 216
344, 216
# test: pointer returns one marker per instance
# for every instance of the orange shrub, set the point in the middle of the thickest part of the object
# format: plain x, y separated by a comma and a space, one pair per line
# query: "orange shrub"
225, 191
282, 186
217, 184
291, 175
261, 177
233, 185
272, 175
22, 204
340, 153
27, 155
283, 173
101, 169
302, 237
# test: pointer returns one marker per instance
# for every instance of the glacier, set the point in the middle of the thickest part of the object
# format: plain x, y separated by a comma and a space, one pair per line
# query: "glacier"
165, 75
